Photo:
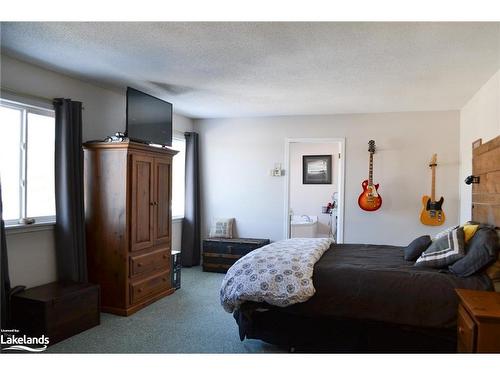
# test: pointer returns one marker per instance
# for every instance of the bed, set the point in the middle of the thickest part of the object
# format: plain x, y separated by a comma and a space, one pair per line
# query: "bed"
368, 298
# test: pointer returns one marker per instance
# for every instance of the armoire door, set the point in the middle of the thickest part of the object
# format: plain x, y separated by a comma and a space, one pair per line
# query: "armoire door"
163, 198
142, 205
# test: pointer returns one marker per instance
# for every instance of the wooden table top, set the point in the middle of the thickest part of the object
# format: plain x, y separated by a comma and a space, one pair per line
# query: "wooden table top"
481, 304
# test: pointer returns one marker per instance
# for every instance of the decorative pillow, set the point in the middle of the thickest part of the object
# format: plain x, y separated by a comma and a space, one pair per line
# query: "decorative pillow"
444, 233
444, 251
481, 225
417, 247
469, 231
222, 228
493, 271
481, 251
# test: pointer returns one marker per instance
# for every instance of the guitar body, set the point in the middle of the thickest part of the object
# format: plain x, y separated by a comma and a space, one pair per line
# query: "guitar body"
432, 212
369, 199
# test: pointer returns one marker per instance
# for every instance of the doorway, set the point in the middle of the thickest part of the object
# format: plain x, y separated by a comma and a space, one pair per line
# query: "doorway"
314, 188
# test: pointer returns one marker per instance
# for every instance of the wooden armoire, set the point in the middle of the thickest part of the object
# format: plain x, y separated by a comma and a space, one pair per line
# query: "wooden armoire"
128, 204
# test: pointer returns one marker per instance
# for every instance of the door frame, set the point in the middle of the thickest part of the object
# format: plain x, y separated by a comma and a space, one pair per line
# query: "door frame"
341, 182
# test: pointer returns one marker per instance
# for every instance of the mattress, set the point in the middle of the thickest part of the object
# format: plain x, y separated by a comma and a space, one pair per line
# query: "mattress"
374, 282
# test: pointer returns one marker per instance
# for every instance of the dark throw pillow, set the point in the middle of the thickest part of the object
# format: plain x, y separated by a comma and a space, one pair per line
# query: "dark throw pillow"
444, 251
480, 252
417, 247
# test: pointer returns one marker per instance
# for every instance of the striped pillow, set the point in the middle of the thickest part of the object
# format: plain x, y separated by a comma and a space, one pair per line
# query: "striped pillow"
444, 251
444, 232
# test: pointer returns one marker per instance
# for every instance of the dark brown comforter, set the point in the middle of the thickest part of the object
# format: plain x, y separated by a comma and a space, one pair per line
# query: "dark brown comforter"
374, 282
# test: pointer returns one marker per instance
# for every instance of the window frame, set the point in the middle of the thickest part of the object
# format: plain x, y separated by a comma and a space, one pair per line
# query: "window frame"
23, 161
179, 136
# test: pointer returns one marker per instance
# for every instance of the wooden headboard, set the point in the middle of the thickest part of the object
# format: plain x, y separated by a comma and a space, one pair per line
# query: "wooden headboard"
486, 194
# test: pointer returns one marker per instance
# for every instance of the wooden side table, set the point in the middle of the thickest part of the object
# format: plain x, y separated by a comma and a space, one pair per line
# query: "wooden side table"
478, 324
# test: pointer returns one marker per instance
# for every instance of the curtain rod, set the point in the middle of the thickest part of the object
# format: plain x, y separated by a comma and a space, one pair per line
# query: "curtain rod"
29, 96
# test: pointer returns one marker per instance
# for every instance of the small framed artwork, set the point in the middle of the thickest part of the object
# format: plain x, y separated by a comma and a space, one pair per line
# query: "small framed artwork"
317, 169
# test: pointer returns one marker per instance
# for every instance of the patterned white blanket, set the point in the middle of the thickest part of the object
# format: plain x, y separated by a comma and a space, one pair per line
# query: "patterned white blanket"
279, 274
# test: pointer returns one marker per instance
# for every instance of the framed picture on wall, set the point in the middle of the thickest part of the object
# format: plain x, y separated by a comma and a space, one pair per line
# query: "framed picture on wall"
317, 169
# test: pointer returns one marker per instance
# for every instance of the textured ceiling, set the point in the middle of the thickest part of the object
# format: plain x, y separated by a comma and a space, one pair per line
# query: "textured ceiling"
256, 69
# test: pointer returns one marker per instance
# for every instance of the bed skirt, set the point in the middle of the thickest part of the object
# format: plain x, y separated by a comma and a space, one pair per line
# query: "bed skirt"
330, 335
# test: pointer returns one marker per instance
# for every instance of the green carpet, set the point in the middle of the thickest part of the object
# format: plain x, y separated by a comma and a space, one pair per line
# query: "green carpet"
189, 321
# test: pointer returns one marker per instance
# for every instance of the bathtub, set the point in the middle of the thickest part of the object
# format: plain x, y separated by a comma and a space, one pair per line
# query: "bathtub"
303, 226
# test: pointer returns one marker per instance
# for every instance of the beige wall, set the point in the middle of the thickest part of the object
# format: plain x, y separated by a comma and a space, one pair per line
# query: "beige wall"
32, 258
308, 199
237, 154
479, 118
32, 255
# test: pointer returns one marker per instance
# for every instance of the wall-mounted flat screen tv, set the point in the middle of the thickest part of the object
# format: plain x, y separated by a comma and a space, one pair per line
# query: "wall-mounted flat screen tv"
149, 119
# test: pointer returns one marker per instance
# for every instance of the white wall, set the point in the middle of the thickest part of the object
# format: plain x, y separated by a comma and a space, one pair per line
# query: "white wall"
308, 199
479, 118
32, 255
237, 155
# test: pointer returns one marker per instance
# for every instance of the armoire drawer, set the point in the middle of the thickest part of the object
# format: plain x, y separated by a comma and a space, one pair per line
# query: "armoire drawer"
151, 285
155, 261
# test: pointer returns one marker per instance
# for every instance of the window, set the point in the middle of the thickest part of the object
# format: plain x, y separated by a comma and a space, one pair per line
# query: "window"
178, 183
27, 162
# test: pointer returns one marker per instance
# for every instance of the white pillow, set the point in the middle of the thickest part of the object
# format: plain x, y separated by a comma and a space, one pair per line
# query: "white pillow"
222, 228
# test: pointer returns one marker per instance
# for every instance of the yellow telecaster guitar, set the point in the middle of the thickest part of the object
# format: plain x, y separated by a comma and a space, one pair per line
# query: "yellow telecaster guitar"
432, 210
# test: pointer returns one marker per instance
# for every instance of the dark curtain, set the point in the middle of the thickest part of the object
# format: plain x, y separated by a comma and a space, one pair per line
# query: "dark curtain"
70, 221
191, 236
4, 269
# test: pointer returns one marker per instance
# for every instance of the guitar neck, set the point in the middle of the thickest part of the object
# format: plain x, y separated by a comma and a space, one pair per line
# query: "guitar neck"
433, 187
370, 170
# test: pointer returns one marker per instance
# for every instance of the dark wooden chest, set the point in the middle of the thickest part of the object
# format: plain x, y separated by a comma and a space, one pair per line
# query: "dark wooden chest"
221, 253
57, 310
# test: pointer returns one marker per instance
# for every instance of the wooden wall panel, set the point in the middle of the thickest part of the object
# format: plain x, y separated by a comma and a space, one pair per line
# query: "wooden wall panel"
486, 194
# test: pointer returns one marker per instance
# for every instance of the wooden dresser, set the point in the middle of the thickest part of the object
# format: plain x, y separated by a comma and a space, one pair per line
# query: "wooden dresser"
128, 223
478, 325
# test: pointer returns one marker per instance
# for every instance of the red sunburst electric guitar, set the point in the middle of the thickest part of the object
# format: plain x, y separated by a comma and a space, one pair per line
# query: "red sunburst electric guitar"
370, 199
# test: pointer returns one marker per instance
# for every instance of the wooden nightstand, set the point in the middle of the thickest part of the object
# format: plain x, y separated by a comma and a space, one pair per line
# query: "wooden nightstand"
478, 324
